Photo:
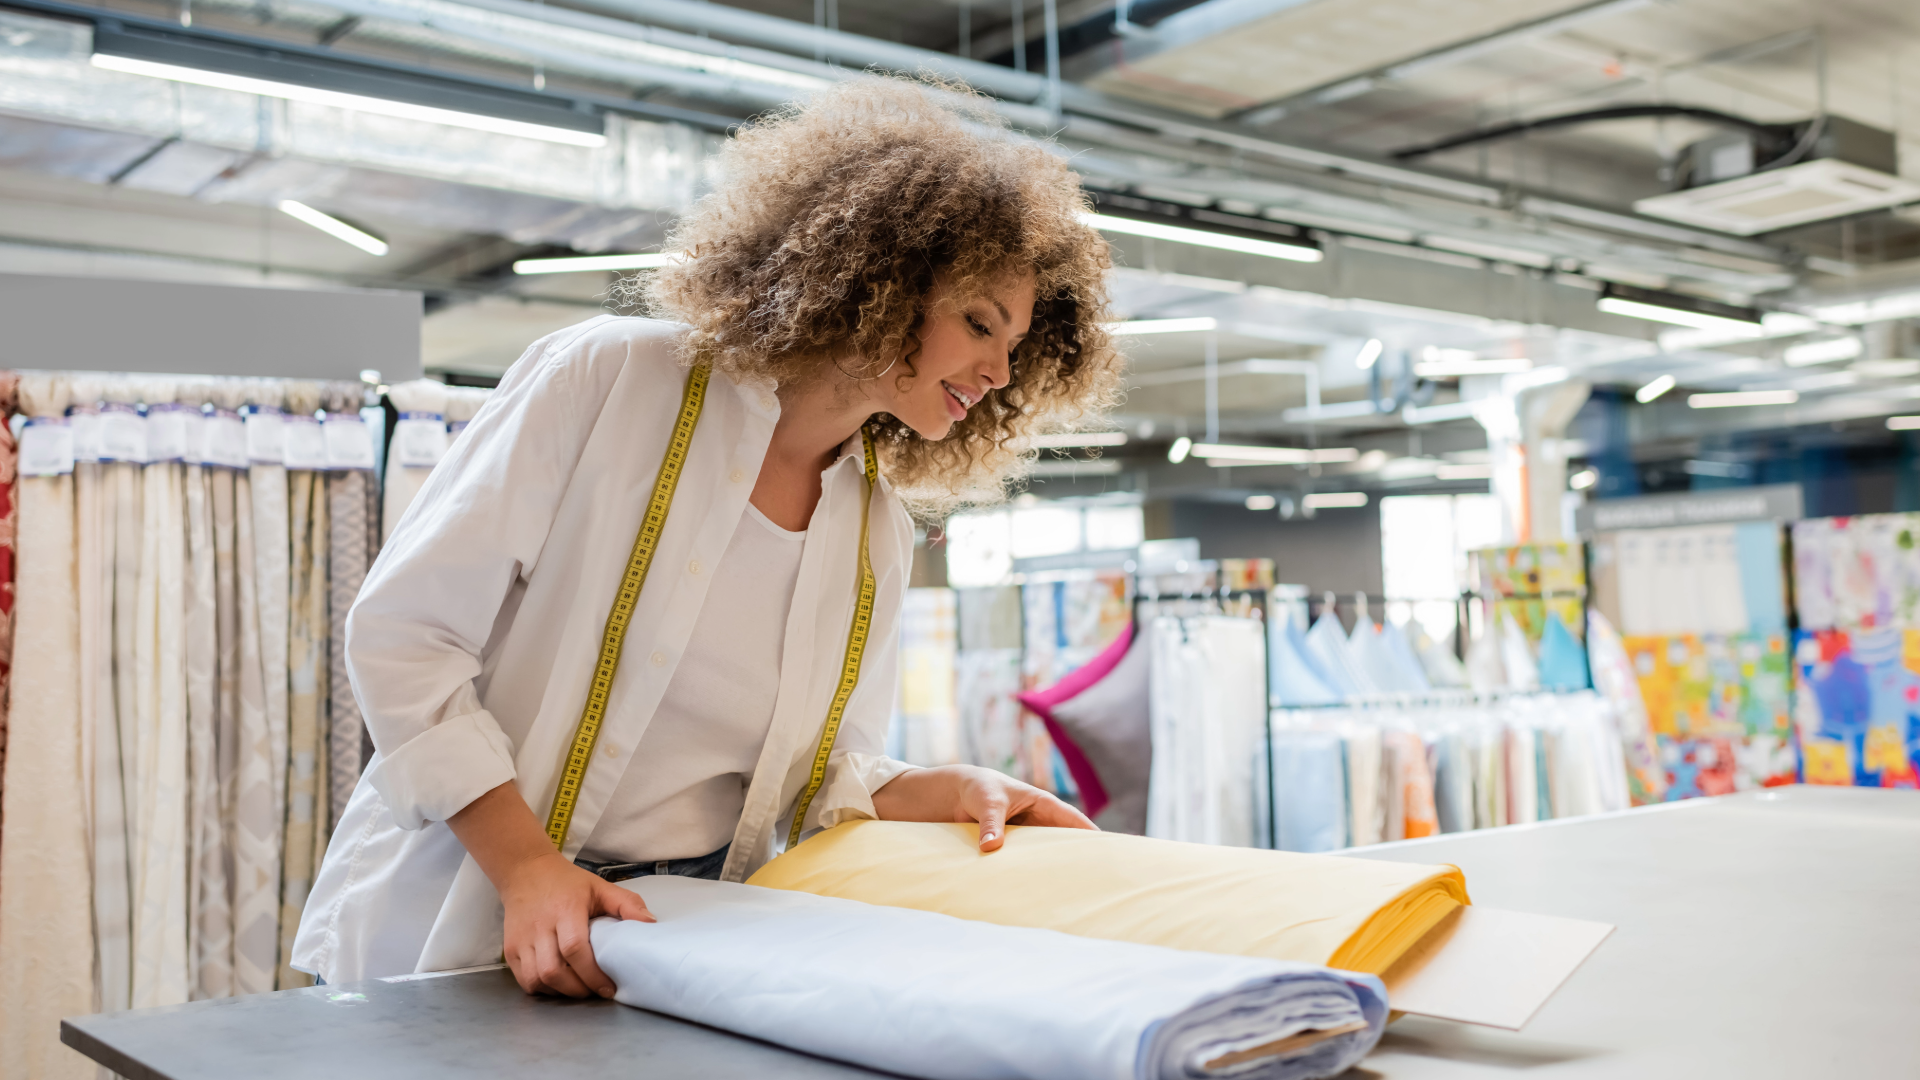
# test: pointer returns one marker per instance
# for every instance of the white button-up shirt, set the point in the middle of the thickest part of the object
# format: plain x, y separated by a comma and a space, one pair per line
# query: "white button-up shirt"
473, 642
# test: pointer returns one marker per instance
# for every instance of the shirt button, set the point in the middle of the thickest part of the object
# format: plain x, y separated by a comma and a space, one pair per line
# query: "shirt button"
610, 750
659, 659
766, 402
737, 475
693, 567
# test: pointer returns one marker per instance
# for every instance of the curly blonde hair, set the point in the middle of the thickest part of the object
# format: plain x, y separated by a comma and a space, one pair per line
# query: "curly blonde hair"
822, 238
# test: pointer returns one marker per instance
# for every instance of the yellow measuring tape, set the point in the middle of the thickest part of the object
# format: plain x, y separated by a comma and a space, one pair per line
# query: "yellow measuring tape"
611, 639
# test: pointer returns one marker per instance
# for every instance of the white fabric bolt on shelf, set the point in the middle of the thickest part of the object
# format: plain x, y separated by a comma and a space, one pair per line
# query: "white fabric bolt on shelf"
404, 481
948, 999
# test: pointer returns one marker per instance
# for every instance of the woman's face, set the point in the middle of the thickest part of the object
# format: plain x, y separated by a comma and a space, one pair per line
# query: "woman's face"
965, 350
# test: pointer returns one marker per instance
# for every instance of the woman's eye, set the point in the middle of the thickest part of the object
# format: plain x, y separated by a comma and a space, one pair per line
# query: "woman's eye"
978, 327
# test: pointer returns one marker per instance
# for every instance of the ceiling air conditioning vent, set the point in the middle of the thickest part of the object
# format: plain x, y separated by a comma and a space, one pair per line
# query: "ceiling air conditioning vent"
1844, 168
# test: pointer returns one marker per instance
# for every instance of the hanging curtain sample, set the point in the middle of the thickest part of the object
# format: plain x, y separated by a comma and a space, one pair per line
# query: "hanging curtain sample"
419, 441
159, 818
9, 388
209, 909
258, 826
306, 801
347, 560
46, 938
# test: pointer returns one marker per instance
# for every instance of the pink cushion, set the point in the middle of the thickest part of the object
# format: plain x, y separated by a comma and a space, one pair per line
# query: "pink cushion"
1094, 730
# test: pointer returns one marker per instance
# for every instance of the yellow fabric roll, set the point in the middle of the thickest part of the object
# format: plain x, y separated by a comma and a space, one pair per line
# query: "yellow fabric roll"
1354, 914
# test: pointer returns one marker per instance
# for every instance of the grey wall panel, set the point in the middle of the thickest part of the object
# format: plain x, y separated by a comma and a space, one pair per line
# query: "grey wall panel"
108, 324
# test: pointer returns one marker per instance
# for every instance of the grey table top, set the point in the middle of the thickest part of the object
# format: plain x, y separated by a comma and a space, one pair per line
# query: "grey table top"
1770, 934
1762, 935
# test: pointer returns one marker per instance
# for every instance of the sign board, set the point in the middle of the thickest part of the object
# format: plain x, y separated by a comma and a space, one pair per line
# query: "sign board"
1767, 502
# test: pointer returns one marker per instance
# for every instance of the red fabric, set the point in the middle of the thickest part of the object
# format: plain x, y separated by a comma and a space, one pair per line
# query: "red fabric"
1093, 794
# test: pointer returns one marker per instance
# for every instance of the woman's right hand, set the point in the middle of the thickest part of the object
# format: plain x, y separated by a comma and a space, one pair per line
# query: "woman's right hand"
549, 900
549, 903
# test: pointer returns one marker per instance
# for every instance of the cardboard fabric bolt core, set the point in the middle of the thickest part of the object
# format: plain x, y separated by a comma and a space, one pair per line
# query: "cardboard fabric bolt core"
1355, 914
923, 994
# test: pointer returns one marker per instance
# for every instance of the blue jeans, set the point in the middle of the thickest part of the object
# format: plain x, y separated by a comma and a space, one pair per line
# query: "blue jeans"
703, 866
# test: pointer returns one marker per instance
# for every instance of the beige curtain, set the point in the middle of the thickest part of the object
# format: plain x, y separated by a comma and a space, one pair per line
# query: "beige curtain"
209, 911
217, 954
46, 938
307, 805
256, 828
347, 560
160, 971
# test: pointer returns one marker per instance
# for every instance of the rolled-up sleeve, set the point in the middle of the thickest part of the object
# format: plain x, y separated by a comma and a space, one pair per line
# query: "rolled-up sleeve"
416, 633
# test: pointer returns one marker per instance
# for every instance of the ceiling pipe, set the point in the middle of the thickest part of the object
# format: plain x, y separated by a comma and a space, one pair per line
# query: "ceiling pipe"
777, 33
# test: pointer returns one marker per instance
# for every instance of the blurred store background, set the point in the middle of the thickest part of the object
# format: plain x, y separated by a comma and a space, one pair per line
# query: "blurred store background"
1524, 395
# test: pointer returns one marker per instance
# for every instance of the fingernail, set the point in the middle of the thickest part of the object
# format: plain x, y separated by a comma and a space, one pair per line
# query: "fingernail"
987, 837
606, 992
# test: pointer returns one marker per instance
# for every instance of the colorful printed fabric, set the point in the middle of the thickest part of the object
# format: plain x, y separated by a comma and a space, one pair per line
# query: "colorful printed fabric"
1857, 573
1614, 677
1720, 710
9, 460
1858, 709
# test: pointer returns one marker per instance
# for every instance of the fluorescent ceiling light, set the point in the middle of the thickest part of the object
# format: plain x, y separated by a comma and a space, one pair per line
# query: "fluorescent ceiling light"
1177, 453
356, 102
1180, 234
1739, 398
1887, 369
1136, 327
1826, 380
1903, 423
1879, 309
334, 227
575, 264
1655, 388
1583, 479
1226, 454
1463, 472
1438, 414
1453, 369
1774, 324
1334, 500
1261, 502
1677, 309
1823, 352
1369, 353
1068, 440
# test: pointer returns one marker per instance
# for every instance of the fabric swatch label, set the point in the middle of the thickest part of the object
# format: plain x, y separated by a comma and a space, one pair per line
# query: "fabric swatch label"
123, 433
306, 446
349, 441
46, 446
420, 439
266, 436
85, 422
224, 440
166, 432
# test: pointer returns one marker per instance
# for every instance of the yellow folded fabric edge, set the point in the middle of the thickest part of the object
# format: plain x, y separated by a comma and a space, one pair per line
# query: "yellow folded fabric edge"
1354, 914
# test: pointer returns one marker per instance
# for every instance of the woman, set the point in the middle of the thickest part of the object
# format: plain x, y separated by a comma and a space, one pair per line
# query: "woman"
880, 284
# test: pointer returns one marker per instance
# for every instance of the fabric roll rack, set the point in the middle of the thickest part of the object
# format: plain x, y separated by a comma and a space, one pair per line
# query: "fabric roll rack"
1400, 767
179, 734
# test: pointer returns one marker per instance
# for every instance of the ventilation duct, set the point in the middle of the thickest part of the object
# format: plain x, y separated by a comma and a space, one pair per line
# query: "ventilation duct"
1750, 182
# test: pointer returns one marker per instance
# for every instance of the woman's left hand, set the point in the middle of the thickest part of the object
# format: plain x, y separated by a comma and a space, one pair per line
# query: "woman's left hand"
971, 793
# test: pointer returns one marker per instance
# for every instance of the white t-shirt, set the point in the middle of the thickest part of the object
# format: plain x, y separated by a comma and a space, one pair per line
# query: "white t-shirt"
683, 792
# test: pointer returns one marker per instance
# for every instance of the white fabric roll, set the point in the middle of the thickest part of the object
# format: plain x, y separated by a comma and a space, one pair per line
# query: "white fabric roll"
950, 999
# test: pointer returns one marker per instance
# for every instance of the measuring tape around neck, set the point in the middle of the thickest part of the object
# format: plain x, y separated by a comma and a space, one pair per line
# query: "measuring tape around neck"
599, 691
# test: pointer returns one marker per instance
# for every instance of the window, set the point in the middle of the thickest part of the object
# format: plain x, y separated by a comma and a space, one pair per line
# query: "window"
981, 547
1424, 540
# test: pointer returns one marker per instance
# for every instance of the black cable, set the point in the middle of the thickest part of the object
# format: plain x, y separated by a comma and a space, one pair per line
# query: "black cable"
1768, 132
